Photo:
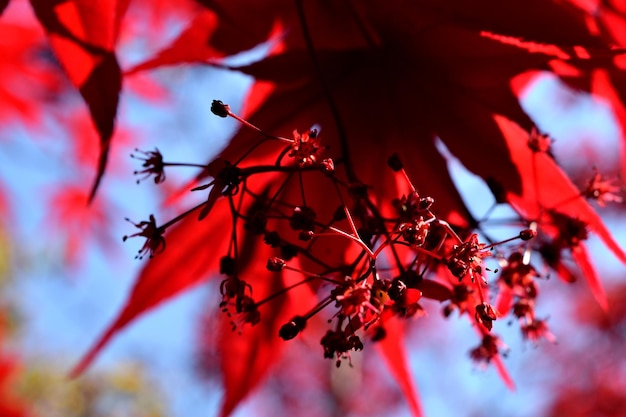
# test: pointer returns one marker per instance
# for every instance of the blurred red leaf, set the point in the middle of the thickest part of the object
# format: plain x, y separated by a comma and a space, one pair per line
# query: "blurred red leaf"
391, 79
82, 34
546, 186
582, 258
607, 84
503, 372
435, 290
72, 219
26, 77
392, 349
166, 276
11, 403
247, 357
192, 45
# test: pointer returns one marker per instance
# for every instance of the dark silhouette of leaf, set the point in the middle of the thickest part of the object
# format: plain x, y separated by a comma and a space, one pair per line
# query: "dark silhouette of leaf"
83, 35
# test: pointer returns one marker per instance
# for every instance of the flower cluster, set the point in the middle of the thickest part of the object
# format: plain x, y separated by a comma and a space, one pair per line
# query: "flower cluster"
369, 261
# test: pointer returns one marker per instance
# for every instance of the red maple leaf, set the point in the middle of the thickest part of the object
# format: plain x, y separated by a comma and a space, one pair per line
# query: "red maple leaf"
26, 78
83, 34
380, 81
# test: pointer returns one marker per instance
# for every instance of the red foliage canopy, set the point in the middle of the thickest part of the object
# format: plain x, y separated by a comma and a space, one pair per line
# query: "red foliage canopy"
380, 78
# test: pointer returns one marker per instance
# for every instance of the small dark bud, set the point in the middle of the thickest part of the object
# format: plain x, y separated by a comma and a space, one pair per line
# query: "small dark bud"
272, 239
355, 342
412, 279
328, 166
527, 234
306, 235
220, 109
290, 330
227, 265
302, 218
485, 314
397, 289
275, 264
395, 162
426, 203
522, 308
358, 190
256, 223
288, 251
448, 309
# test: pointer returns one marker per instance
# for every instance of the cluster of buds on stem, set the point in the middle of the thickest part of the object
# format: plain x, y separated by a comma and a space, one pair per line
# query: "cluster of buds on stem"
396, 253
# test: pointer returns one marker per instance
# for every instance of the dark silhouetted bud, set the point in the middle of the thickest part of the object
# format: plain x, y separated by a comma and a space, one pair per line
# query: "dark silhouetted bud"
220, 109
396, 291
227, 265
395, 162
288, 251
328, 166
275, 264
527, 234
272, 239
290, 330
303, 218
426, 203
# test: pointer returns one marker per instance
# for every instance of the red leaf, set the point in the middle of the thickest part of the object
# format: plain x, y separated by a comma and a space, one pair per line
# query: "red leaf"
4, 205
74, 222
553, 22
503, 372
392, 349
580, 255
435, 290
605, 86
556, 190
82, 34
497, 358
247, 357
26, 77
504, 302
192, 45
167, 274
101, 92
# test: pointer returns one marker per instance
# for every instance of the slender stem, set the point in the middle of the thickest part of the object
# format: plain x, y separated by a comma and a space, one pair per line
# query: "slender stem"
253, 127
320, 306
351, 222
408, 180
284, 290
180, 216
183, 164
343, 140
312, 275
233, 236
249, 151
351, 237
260, 169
